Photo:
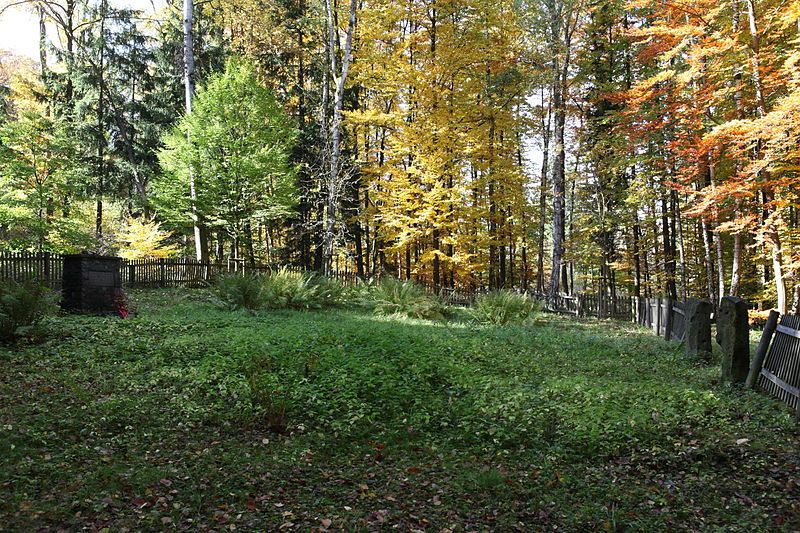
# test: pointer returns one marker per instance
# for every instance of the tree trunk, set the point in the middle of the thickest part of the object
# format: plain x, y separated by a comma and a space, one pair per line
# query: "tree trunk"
188, 86
559, 163
771, 230
334, 172
101, 135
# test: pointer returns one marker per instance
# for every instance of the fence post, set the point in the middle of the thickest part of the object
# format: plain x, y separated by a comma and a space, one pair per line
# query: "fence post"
761, 351
131, 273
46, 266
657, 321
163, 272
733, 335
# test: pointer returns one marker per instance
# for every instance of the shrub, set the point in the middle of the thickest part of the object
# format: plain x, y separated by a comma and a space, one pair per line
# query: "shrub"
240, 292
503, 307
23, 305
281, 289
404, 298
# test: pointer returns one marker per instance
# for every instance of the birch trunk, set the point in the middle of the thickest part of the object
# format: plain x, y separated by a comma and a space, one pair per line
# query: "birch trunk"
188, 86
334, 172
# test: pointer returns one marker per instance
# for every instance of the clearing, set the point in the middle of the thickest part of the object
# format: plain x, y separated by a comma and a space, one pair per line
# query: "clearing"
161, 422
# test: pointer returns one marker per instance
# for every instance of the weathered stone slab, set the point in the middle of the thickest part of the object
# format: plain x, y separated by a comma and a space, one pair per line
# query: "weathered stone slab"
733, 336
697, 314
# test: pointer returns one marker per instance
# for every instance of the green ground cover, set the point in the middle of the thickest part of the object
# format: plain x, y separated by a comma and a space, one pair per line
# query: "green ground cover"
188, 416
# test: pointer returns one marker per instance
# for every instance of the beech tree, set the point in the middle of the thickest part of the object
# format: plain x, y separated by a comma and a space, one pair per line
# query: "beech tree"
236, 146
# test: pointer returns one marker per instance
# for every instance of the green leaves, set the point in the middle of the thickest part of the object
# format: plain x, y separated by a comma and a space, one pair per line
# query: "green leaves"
503, 307
171, 413
22, 308
281, 289
236, 143
392, 297
39, 167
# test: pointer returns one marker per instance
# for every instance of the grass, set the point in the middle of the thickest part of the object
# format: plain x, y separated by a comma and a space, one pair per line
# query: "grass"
158, 423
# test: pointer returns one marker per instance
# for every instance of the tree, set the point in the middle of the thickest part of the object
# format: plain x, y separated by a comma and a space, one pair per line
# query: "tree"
142, 238
334, 182
236, 145
37, 168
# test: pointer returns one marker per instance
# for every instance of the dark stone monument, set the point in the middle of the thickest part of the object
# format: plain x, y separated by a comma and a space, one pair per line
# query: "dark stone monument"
91, 284
698, 329
733, 335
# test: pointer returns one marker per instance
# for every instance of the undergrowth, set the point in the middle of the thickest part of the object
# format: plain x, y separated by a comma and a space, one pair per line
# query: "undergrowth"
190, 415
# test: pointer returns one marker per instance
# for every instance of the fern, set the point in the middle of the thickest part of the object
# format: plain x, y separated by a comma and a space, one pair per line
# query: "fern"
406, 299
281, 289
23, 306
503, 307
240, 292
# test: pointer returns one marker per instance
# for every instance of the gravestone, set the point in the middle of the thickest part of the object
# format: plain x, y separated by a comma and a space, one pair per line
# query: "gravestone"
91, 284
697, 314
733, 335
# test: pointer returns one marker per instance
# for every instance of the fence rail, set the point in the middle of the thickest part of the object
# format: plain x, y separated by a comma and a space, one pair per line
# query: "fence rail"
47, 268
666, 317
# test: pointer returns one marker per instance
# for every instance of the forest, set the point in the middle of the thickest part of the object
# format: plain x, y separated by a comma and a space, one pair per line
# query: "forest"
637, 147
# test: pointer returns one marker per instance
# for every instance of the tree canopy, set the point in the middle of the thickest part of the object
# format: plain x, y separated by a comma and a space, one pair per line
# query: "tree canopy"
607, 146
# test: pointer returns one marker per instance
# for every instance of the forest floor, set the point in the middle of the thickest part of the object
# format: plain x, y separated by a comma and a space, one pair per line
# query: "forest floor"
158, 422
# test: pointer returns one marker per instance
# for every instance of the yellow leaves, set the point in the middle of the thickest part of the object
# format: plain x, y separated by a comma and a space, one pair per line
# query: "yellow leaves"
144, 239
22, 77
738, 225
439, 127
372, 117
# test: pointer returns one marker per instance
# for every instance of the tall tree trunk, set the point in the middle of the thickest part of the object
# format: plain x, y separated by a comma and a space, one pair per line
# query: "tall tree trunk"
772, 224
713, 295
669, 252
43, 46
678, 219
736, 266
334, 172
543, 196
101, 135
637, 261
200, 248
559, 164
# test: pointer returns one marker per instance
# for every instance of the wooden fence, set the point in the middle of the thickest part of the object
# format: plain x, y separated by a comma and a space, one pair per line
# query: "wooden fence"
161, 273
155, 273
46, 268
666, 317
606, 306
775, 368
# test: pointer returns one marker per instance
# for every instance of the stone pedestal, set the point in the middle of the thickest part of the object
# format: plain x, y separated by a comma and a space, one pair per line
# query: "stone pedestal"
698, 329
733, 335
91, 284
